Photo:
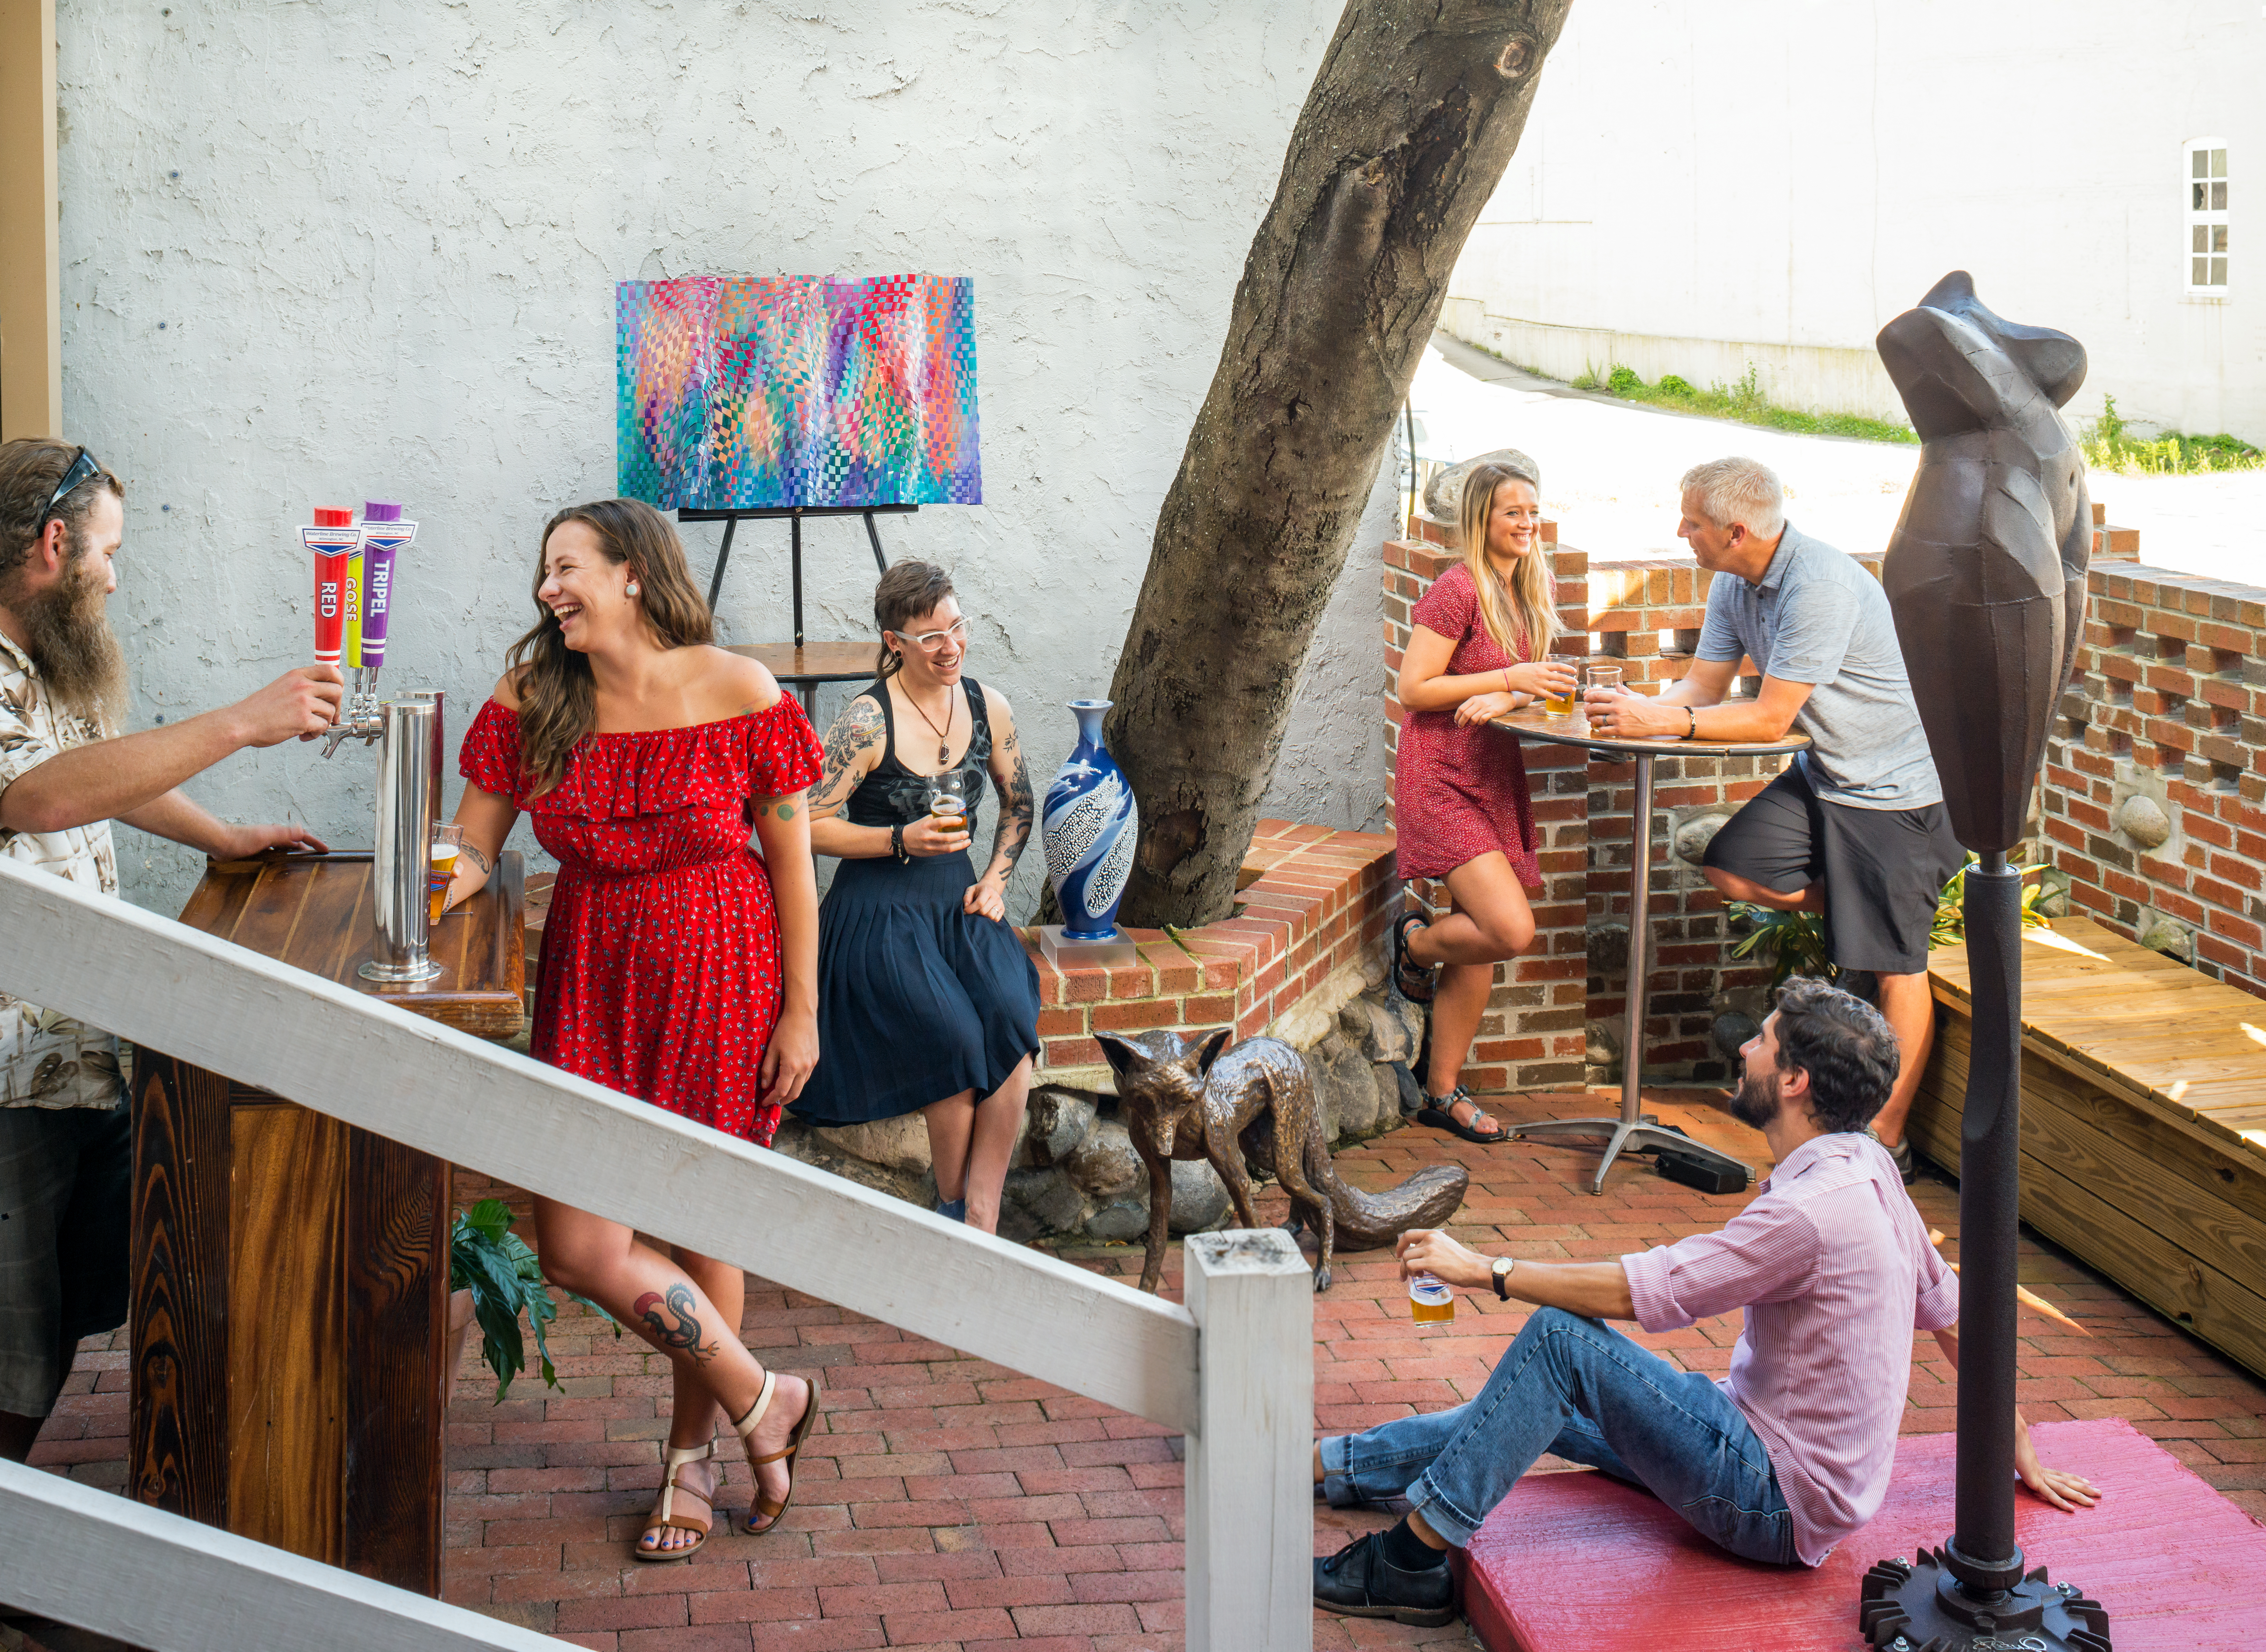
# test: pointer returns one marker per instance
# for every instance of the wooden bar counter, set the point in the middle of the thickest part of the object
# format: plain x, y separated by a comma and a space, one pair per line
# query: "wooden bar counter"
291, 1272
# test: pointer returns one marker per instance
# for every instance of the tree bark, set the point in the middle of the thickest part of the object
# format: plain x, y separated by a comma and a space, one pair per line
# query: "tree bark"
1413, 116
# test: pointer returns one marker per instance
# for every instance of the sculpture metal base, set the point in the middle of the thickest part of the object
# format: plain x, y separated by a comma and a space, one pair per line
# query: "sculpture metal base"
1924, 1608
395, 974
1064, 952
1635, 1136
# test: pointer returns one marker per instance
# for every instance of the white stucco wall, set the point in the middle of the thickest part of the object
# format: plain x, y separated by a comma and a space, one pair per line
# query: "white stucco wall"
1793, 173
320, 254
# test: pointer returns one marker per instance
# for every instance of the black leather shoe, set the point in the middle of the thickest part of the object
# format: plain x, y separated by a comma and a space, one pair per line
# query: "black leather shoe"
1359, 1582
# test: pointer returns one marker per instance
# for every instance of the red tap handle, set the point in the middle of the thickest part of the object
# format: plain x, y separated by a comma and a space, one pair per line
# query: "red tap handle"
331, 541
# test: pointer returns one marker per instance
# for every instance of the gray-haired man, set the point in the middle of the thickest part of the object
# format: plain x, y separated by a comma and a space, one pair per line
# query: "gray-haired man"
1855, 828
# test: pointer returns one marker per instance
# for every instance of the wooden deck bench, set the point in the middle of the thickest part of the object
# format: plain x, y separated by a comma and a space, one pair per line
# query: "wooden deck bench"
2143, 1121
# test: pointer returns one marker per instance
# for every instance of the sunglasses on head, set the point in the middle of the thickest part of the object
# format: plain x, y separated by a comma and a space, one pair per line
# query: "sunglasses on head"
83, 467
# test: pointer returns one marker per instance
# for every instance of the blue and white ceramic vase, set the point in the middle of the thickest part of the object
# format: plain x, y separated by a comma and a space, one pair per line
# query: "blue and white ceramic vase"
1089, 826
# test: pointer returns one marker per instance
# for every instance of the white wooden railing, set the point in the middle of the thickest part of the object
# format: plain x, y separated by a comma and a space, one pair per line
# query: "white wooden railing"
1233, 1370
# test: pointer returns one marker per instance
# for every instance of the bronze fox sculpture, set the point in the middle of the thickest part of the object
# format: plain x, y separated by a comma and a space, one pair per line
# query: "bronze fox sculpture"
1252, 1109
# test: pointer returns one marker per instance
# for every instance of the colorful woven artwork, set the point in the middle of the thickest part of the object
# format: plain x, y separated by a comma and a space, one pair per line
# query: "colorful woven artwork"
742, 392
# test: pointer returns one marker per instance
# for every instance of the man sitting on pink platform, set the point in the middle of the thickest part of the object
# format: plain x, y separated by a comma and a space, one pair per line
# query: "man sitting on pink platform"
1781, 1460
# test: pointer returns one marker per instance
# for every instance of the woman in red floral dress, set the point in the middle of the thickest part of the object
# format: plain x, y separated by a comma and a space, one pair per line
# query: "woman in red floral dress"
1476, 649
677, 967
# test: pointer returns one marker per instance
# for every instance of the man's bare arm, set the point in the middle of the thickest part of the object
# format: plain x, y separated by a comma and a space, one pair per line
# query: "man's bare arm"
111, 780
1596, 1291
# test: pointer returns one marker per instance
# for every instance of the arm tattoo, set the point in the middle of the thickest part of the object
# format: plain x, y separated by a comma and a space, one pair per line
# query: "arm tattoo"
855, 735
683, 1335
1015, 805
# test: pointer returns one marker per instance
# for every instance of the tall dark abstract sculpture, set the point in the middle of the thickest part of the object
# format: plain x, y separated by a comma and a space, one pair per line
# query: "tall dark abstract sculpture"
1985, 572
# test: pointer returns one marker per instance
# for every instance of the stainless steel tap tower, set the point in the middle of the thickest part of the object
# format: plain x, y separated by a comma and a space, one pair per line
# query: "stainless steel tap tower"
409, 732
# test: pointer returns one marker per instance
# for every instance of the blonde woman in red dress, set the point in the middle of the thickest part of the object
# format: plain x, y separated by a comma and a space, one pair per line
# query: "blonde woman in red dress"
1479, 648
677, 967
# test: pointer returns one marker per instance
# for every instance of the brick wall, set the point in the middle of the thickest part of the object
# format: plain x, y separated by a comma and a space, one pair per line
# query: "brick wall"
1312, 901
2155, 788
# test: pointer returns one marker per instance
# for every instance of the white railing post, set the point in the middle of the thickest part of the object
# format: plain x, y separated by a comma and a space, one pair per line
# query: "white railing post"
1250, 1477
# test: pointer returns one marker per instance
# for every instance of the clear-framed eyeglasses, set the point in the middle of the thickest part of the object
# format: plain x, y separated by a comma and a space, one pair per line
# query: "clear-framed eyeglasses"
930, 641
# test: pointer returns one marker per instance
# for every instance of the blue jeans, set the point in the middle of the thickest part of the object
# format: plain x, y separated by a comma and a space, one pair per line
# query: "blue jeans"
1575, 1387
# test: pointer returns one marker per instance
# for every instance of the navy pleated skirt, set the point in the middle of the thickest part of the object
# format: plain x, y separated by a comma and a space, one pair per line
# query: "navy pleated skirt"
917, 1000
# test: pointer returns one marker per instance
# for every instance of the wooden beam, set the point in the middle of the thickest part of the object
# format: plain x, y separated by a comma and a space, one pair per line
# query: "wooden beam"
346, 1053
31, 238
152, 1579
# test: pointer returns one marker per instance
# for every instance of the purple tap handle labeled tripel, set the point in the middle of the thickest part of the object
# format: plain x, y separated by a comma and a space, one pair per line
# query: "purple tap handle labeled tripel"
383, 537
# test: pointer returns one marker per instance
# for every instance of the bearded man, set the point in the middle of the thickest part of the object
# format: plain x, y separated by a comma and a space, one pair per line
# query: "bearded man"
1782, 1459
66, 1149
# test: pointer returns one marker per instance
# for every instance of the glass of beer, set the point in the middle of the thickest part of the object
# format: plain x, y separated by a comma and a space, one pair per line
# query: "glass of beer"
1562, 705
448, 842
1430, 1302
947, 801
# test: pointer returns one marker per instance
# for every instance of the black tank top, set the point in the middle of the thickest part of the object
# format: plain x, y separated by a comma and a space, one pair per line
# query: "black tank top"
892, 792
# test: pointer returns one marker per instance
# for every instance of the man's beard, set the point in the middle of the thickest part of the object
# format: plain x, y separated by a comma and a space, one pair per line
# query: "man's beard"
1756, 1104
70, 642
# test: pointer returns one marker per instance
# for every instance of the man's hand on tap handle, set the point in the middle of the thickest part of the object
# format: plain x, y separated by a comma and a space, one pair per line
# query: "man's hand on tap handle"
300, 705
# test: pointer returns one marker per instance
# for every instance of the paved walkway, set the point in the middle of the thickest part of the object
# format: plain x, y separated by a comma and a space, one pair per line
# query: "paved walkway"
953, 1505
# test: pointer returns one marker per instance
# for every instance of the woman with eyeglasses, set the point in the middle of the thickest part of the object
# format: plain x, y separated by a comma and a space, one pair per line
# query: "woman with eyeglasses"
927, 1002
1478, 648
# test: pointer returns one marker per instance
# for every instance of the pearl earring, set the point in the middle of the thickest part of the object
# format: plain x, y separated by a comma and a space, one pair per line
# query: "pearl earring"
632, 588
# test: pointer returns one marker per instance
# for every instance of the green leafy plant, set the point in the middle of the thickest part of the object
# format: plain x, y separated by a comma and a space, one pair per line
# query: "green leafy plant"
1792, 943
1950, 923
2109, 445
505, 1278
1743, 400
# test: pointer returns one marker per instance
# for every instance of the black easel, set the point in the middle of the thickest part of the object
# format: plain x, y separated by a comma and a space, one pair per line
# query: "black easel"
800, 667
794, 513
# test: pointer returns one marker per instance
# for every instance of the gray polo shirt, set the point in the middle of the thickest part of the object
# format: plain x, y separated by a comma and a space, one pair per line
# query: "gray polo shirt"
1816, 615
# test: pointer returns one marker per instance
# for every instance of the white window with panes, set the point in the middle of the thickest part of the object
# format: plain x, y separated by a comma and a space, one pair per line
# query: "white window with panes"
2206, 193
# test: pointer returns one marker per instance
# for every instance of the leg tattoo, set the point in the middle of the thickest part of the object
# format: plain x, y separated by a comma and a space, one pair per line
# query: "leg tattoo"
683, 1337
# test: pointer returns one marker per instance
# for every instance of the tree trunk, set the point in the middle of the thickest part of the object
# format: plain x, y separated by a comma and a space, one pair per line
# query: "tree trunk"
1414, 115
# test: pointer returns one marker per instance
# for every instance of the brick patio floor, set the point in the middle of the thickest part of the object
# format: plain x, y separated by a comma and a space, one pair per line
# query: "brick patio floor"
953, 1505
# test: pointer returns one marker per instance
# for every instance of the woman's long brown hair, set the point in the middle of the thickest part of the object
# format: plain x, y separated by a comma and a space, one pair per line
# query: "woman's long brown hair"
1521, 617
558, 700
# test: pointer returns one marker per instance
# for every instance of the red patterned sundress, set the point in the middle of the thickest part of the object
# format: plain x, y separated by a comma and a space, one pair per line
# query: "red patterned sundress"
1458, 794
660, 973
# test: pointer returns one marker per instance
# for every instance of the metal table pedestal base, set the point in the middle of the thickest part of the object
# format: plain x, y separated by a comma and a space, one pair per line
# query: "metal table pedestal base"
1635, 1130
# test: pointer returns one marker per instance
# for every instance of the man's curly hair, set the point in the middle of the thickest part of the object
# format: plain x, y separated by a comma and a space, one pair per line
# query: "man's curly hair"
1845, 1046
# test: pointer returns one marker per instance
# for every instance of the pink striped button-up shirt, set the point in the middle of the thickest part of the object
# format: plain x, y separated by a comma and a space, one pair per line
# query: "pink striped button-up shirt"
1832, 1265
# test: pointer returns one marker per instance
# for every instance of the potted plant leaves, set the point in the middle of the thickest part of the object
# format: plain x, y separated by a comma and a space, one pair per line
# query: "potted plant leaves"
493, 1277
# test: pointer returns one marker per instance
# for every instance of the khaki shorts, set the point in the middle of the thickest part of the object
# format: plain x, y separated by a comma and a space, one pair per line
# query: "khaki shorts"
66, 1202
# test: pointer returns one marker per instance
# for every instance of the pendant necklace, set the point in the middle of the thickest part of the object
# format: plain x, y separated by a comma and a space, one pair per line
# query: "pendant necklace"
943, 735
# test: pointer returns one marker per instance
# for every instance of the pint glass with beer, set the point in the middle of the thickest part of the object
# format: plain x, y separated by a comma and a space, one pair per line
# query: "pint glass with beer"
947, 801
448, 843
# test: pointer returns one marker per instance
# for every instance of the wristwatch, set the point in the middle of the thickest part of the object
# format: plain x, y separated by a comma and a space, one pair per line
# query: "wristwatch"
1501, 1273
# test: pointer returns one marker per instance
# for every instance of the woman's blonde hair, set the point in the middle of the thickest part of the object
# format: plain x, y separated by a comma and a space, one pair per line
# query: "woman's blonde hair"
1521, 614
558, 700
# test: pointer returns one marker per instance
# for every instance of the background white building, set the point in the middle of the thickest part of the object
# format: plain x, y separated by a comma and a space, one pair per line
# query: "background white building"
323, 254
1766, 182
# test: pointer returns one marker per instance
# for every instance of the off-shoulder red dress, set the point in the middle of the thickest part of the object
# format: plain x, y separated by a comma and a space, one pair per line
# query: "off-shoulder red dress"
660, 973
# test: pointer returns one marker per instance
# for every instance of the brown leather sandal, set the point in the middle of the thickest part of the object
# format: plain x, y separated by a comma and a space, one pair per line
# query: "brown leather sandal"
763, 1509
665, 1517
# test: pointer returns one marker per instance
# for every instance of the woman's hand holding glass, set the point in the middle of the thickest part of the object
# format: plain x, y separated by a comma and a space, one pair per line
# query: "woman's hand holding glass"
1544, 678
925, 836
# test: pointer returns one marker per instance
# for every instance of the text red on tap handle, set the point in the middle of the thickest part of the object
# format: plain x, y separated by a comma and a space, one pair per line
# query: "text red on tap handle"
331, 540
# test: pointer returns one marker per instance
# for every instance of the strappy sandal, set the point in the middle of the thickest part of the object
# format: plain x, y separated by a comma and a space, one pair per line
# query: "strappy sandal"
665, 1517
763, 1508
1439, 1112
1411, 980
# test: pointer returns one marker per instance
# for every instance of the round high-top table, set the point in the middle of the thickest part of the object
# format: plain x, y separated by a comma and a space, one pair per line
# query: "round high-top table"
1635, 1130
